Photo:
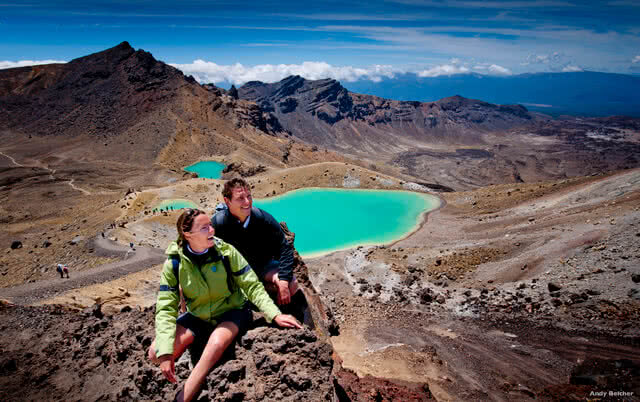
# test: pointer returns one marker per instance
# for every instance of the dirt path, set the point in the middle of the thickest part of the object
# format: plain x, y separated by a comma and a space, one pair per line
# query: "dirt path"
51, 173
73, 186
12, 160
131, 261
70, 182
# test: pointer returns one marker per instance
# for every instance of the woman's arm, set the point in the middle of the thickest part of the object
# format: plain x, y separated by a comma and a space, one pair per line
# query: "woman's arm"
166, 310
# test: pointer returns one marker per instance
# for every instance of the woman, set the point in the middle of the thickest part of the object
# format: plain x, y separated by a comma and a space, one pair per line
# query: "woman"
215, 299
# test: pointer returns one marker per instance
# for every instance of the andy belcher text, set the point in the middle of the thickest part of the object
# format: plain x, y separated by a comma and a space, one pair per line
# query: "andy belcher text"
611, 393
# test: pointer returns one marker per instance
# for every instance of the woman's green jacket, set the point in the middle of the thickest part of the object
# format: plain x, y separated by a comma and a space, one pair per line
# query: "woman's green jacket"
206, 291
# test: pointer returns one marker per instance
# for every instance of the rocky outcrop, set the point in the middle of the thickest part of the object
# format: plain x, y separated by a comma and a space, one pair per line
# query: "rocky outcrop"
242, 169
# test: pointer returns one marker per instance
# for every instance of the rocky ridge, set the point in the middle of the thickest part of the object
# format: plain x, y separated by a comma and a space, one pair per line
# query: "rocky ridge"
125, 105
454, 142
328, 109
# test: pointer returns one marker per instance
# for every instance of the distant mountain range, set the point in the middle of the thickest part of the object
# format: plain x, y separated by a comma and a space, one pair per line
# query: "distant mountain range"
325, 113
124, 105
454, 141
579, 94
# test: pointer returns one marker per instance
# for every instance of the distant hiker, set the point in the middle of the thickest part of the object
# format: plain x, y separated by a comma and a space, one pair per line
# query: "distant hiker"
131, 245
65, 269
214, 278
60, 271
260, 239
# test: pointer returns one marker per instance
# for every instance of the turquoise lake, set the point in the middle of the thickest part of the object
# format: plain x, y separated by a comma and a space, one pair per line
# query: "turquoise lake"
175, 204
207, 169
326, 220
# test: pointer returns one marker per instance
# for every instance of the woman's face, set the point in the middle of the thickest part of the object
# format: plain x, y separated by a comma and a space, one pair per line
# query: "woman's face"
200, 237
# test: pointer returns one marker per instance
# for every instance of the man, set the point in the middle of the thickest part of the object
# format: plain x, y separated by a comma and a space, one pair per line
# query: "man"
260, 239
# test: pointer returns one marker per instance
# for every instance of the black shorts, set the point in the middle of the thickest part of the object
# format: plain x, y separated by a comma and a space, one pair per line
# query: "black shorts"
202, 330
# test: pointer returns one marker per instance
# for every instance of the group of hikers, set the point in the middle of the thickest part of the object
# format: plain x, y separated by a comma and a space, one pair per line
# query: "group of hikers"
62, 270
219, 269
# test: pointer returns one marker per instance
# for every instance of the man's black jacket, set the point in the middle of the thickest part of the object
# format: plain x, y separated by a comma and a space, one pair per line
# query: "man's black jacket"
260, 242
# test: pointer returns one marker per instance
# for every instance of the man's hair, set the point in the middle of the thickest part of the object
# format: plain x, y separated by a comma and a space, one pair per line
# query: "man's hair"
231, 184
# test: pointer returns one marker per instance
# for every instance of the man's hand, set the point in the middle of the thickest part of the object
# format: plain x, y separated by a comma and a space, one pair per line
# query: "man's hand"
287, 321
284, 297
168, 368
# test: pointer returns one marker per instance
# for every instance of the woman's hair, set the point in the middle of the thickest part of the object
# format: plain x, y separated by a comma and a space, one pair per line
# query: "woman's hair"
185, 222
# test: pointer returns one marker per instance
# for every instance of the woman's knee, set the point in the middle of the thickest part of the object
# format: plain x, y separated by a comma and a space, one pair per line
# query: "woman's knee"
184, 338
223, 335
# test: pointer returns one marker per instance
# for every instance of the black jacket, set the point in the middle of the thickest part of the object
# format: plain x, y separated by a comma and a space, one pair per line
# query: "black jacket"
262, 241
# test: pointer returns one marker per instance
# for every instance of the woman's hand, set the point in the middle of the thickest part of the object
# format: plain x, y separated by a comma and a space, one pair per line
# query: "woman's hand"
287, 321
168, 368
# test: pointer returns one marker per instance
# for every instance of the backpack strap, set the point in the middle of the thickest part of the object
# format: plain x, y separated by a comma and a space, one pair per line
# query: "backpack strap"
227, 268
175, 265
218, 218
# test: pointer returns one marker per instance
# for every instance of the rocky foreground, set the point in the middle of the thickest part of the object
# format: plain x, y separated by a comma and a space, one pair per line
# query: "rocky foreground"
54, 353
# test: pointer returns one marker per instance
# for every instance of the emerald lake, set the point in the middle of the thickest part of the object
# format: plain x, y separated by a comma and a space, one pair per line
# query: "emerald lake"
175, 204
326, 220
207, 169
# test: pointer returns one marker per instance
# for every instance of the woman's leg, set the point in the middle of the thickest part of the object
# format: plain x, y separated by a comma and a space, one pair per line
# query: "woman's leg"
218, 342
184, 338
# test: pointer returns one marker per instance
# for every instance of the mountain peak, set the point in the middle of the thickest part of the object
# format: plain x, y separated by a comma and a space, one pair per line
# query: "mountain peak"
112, 55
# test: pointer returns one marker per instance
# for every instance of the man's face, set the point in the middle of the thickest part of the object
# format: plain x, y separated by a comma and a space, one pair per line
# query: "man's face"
240, 203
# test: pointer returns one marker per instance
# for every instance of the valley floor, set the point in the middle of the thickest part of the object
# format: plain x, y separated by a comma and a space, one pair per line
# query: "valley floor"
509, 292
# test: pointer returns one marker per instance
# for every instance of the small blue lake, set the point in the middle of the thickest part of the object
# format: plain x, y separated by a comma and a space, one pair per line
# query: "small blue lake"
175, 204
326, 220
207, 169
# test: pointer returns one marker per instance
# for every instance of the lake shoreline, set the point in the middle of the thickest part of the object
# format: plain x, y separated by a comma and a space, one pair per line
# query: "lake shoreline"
424, 217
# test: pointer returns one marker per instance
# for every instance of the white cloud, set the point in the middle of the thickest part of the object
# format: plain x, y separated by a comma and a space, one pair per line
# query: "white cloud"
636, 60
492, 69
499, 70
571, 69
444, 69
205, 72
24, 63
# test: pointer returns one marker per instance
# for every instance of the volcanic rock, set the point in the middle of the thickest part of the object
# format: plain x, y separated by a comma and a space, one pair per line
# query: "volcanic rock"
553, 287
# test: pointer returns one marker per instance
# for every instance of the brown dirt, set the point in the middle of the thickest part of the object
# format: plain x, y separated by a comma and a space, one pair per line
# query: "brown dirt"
409, 313
395, 305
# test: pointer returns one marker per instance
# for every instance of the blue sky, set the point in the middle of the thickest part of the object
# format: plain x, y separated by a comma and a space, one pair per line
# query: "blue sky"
237, 41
